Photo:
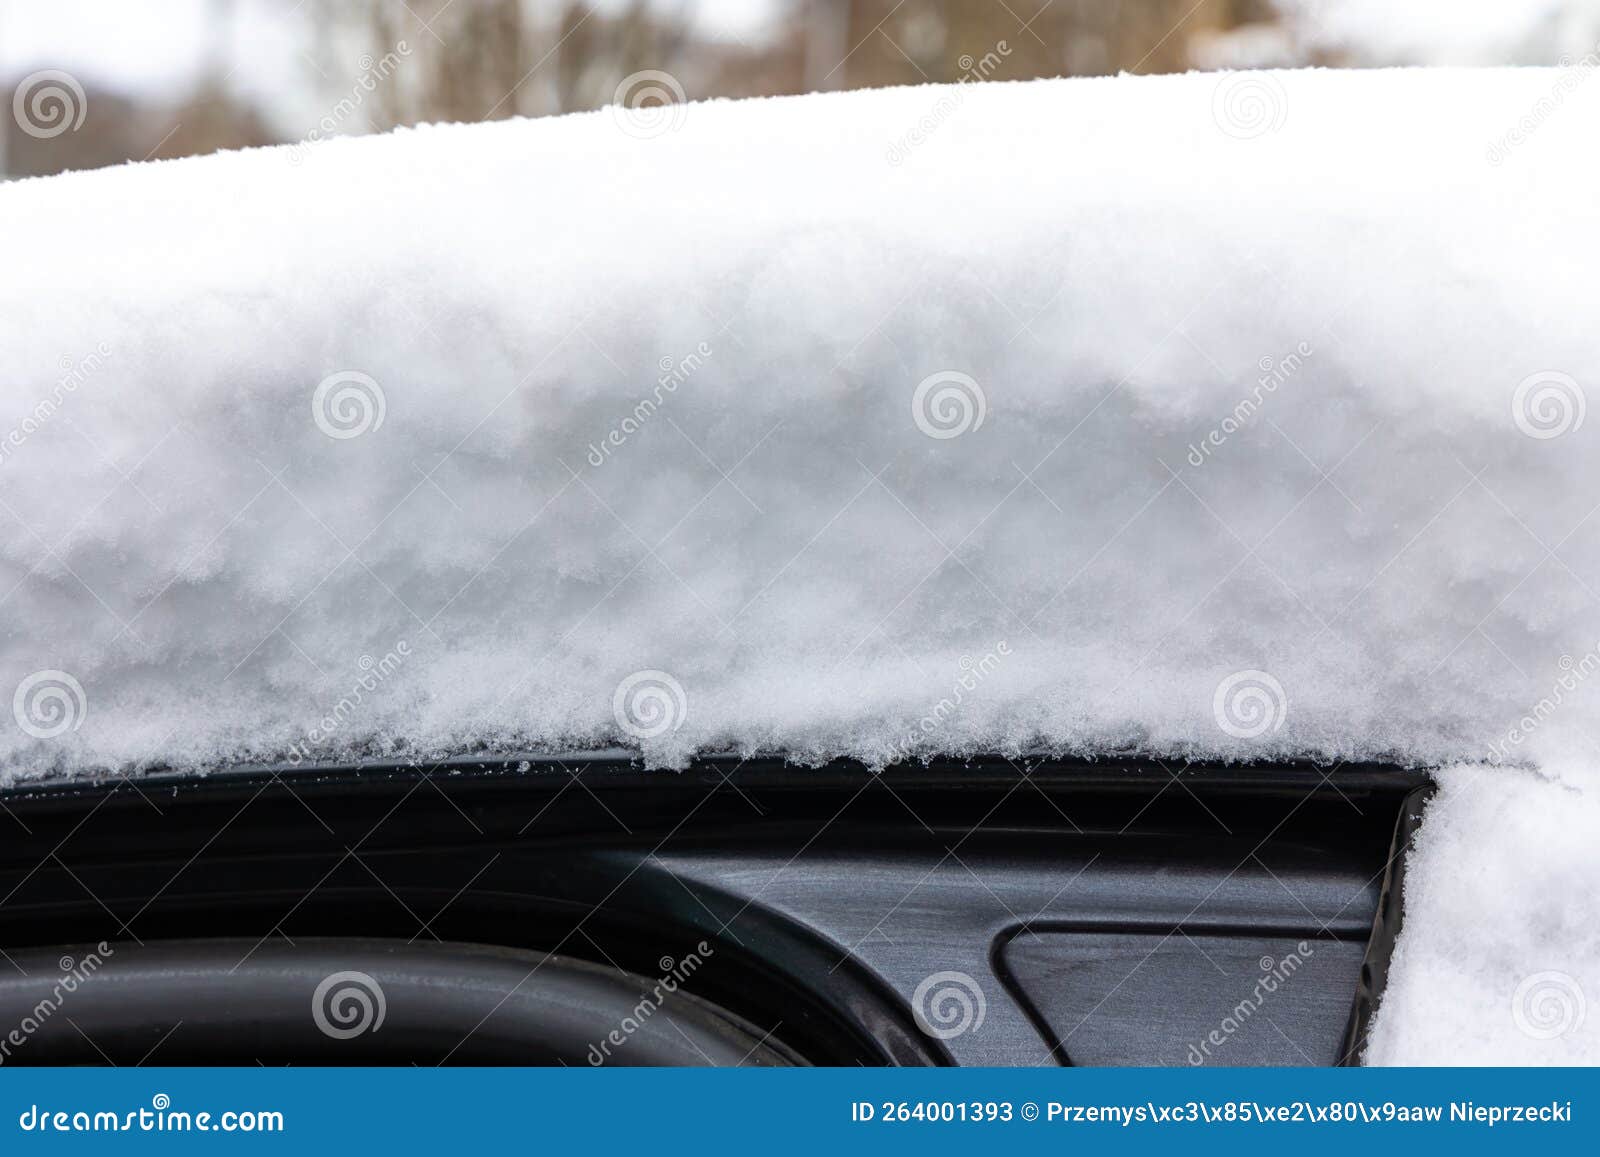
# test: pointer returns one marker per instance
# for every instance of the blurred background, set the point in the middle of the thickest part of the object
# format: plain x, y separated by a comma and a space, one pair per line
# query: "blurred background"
89, 83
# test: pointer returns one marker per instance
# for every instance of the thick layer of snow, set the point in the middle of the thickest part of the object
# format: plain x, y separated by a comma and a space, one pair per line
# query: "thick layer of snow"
1499, 960
1257, 373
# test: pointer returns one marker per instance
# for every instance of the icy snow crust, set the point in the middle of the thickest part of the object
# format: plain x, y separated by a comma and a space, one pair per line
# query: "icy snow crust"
1377, 558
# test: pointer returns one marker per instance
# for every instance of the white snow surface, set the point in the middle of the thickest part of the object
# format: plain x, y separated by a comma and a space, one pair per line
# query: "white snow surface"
1499, 958
1374, 558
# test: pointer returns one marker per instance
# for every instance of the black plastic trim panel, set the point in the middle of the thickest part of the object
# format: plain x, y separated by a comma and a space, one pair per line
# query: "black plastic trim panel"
370, 1002
829, 894
1385, 927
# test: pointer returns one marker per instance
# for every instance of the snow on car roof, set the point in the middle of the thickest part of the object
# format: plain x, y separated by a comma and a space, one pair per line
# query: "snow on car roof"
1238, 416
